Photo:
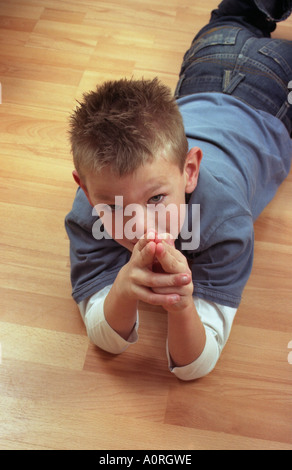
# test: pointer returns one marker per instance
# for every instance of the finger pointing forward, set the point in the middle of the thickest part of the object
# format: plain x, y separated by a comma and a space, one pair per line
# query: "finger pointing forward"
171, 260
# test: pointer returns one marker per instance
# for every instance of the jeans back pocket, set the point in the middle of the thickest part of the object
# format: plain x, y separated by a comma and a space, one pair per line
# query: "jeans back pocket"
226, 35
281, 53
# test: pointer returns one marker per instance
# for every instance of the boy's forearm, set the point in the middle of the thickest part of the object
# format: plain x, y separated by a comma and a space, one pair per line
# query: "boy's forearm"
120, 312
186, 336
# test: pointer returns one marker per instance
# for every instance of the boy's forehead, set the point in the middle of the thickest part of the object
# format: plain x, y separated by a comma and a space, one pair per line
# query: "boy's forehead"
110, 193
112, 189
148, 178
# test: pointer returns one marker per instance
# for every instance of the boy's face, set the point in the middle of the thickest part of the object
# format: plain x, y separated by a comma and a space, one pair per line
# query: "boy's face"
152, 198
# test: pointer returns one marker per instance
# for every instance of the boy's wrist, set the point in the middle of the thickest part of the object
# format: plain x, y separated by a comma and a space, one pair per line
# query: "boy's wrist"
186, 335
120, 312
123, 296
185, 307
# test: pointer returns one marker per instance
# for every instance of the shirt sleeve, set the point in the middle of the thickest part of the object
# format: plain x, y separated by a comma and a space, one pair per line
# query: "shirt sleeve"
95, 261
222, 267
217, 320
98, 329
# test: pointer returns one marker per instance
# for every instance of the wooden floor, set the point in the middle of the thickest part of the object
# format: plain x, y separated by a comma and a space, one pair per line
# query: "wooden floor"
57, 391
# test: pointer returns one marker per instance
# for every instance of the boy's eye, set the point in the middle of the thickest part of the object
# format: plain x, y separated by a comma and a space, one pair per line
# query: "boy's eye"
156, 199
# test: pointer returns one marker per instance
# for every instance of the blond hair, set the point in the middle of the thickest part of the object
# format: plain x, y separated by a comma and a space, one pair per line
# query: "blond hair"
124, 124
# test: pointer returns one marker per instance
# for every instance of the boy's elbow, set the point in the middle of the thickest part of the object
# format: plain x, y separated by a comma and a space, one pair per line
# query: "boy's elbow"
106, 344
104, 337
202, 366
190, 374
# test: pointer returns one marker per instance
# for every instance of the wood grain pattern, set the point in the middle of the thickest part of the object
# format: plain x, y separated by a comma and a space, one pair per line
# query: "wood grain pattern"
57, 391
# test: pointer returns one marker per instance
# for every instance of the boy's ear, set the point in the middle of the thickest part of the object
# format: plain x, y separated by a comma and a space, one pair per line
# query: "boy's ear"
81, 184
192, 169
76, 177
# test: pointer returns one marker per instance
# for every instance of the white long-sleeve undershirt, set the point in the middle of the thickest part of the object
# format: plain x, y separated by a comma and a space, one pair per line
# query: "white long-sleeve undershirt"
217, 320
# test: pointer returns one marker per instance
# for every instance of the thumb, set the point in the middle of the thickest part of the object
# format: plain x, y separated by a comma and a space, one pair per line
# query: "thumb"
147, 255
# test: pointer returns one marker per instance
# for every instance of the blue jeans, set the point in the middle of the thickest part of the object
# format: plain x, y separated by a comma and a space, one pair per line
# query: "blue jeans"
234, 54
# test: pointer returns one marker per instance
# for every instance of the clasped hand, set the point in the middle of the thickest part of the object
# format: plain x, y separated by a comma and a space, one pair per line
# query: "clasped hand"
158, 274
